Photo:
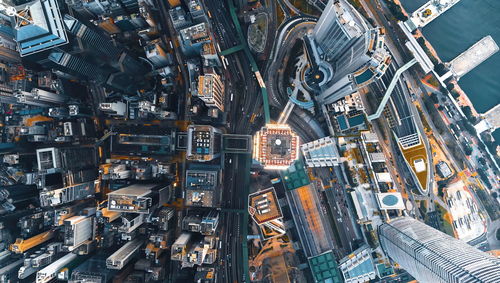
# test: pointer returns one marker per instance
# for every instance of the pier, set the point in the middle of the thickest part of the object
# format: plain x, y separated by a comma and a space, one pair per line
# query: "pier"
428, 12
472, 57
490, 121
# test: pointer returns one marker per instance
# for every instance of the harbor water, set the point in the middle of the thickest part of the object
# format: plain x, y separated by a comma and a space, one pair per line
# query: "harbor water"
454, 32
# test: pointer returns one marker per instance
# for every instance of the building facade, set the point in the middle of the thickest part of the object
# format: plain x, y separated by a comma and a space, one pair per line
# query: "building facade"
432, 256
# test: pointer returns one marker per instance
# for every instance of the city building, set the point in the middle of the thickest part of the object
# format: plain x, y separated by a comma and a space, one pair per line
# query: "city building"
390, 201
197, 12
205, 223
138, 198
66, 44
65, 158
156, 54
181, 246
203, 187
8, 51
211, 90
201, 252
276, 146
348, 53
193, 38
444, 170
432, 256
179, 18
358, 267
324, 268
204, 143
264, 209
321, 153
210, 56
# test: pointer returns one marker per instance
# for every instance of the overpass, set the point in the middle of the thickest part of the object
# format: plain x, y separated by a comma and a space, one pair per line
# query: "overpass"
389, 90
232, 50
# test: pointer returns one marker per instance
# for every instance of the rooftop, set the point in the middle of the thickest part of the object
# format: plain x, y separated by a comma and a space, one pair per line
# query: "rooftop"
276, 146
263, 206
324, 268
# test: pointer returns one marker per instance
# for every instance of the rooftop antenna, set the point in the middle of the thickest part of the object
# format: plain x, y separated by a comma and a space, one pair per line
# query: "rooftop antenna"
22, 18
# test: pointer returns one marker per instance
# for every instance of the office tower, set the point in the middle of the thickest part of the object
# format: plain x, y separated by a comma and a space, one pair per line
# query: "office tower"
180, 19
432, 256
35, 97
321, 153
8, 52
210, 56
204, 143
211, 90
197, 12
157, 55
64, 43
193, 38
355, 52
94, 8
340, 27
203, 187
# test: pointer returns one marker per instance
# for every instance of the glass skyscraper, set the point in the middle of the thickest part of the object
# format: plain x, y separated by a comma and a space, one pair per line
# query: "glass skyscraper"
432, 256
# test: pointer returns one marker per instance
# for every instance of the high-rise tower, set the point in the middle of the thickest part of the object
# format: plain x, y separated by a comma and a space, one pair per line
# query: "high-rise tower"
355, 51
60, 41
432, 256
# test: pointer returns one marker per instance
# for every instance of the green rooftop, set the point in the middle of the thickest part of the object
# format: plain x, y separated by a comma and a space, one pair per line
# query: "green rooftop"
295, 176
325, 269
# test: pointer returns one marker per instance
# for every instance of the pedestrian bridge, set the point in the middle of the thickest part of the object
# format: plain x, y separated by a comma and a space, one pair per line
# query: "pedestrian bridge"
389, 90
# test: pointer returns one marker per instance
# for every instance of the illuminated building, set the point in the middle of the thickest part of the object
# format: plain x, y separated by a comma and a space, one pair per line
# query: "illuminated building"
276, 146
204, 143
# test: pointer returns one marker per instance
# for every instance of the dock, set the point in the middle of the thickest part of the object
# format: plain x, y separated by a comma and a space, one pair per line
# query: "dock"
428, 12
490, 121
472, 57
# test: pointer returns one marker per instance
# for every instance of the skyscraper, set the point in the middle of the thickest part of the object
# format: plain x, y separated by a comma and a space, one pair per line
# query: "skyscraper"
355, 51
66, 44
340, 27
432, 256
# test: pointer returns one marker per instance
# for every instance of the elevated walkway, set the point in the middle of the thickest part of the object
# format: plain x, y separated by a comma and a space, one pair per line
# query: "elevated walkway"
417, 50
389, 90
238, 144
232, 50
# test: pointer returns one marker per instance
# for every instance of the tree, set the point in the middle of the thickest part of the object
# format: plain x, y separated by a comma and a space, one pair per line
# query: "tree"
467, 149
396, 11
450, 86
434, 98
440, 192
421, 42
468, 113
455, 94
440, 108
440, 69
